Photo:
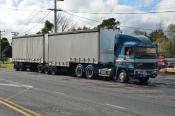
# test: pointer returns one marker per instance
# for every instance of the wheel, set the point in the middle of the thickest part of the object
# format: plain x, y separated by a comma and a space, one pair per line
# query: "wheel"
40, 68
79, 70
21, 67
33, 68
16, 66
46, 69
123, 76
89, 72
53, 70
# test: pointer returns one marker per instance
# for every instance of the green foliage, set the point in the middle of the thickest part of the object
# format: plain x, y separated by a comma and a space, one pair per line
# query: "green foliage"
166, 42
4, 43
7, 52
84, 28
171, 30
48, 26
109, 23
6, 48
157, 36
139, 32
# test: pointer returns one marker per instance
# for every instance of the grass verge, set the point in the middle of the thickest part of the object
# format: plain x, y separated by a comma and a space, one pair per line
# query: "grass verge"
8, 65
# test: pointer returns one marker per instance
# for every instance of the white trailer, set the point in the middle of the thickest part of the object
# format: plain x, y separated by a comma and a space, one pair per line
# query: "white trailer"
102, 52
85, 52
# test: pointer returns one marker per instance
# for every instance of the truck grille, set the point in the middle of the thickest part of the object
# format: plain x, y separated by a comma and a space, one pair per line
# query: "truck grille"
145, 65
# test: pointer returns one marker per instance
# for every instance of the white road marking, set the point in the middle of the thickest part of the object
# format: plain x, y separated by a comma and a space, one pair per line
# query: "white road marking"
115, 106
9, 84
14, 84
60, 93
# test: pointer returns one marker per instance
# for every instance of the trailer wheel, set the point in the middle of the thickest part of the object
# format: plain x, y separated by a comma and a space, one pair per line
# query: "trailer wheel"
16, 66
40, 68
89, 71
123, 76
79, 70
53, 70
21, 67
46, 69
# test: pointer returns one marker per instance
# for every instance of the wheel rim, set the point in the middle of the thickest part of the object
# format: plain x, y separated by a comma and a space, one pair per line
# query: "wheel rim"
46, 70
89, 72
79, 72
122, 76
53, 71
39, 69
20, 68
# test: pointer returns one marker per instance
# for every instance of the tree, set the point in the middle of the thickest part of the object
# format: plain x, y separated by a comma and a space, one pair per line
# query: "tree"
171, 30
139, 32
4, 44
84, 28
48, 26
64, 22
109, 23
7, 52
157, 35
171, 35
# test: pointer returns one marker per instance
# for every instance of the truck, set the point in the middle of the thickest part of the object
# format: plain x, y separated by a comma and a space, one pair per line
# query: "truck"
103, 53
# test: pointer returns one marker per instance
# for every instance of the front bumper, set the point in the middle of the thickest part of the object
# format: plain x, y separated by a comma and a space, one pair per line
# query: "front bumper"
143, 73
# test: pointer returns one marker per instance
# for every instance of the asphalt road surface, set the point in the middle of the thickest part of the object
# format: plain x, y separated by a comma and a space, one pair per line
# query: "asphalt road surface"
30, 93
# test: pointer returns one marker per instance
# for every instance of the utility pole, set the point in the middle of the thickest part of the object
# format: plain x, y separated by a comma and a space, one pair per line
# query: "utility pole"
55, 14
1, 44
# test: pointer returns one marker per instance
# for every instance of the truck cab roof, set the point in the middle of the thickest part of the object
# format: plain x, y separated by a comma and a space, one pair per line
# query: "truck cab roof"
138, 40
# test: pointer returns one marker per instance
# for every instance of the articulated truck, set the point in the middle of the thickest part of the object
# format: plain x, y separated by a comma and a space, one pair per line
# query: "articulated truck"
103, 53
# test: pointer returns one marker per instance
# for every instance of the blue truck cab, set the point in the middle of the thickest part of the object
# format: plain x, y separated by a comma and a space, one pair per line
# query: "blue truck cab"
135, 58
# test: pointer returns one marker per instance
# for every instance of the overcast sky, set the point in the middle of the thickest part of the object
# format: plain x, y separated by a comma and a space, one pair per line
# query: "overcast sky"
28, 16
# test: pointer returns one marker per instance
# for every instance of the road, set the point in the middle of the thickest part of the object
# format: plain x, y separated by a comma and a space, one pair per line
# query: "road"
47, 95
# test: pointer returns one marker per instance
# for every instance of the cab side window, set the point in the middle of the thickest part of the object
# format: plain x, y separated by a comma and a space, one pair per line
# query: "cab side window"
128, 51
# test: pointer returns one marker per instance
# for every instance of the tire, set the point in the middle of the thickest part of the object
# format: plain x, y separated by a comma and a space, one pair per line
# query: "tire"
16, 66
53, 70
123, 76
89, 72
21, 67
46, 69
79, 71
40, 68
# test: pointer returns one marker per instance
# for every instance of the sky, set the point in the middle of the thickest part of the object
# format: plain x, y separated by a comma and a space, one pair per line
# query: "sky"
28, 16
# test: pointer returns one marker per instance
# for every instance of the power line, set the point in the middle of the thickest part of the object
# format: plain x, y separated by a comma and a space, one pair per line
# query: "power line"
30, 19
133, 27
121, 13
71, 13
18, 9
55, 14
38, 22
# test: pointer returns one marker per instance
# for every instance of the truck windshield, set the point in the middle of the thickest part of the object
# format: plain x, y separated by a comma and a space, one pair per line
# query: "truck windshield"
146, 52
